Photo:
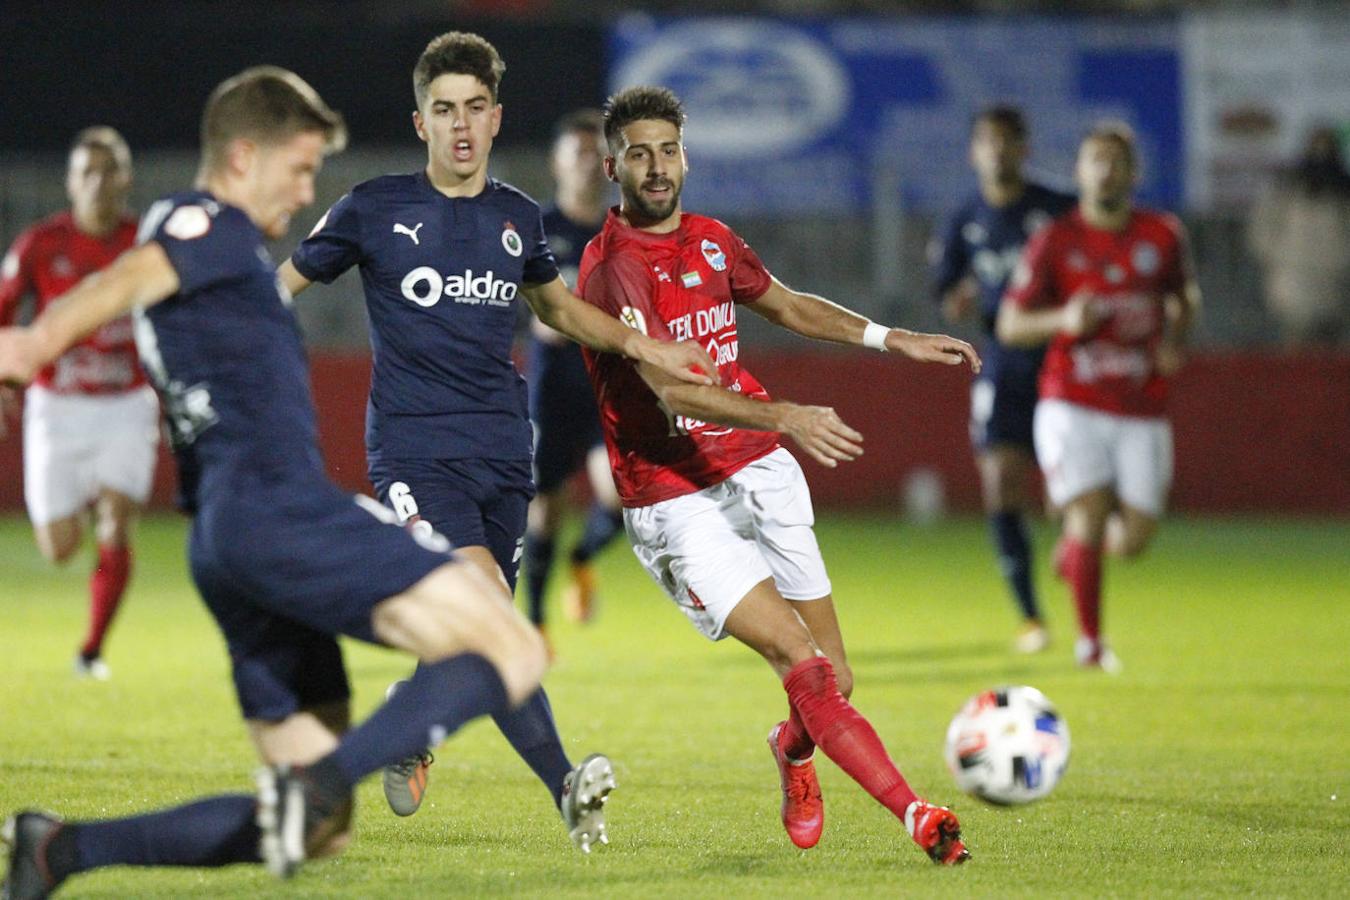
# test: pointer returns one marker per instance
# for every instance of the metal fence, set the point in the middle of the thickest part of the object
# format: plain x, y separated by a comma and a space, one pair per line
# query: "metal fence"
874, 264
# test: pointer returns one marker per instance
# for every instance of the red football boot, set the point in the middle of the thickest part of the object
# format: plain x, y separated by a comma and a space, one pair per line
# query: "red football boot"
803, 810
935, 829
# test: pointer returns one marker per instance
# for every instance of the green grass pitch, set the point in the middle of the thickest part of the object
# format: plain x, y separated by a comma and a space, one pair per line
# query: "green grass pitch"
1215, 765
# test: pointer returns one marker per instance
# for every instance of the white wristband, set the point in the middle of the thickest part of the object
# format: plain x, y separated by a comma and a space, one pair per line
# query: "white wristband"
874, 336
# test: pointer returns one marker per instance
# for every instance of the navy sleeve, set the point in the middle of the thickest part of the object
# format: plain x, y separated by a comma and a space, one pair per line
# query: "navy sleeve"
206, 243
334, 246
950, 261
540, 267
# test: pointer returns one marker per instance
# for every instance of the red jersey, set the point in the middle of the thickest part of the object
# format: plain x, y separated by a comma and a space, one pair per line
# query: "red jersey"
1130, 272
678, 286
51, 258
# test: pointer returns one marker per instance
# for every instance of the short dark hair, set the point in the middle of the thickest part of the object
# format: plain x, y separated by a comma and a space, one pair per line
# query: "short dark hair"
269, 105
105, 138
1119, 132
637, 103
584, 121
458, 53
1004, 116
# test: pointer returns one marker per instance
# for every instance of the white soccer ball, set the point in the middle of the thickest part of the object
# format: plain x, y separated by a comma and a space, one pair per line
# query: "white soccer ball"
1008, 746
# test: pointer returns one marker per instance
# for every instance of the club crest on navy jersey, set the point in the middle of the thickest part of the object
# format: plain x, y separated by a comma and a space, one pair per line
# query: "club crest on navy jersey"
714, 255
511, 240
188, 223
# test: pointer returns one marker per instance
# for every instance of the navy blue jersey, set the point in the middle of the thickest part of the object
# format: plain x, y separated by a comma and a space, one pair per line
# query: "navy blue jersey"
441, 277
986, 242
225, 353
562, 402
567, 240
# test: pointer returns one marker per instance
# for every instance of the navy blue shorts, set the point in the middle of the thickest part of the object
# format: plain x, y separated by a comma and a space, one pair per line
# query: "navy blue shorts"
562, 408
1001, 411
471, 502
287, 566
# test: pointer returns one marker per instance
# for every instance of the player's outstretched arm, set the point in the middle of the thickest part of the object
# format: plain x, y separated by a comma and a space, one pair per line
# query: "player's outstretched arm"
290, 276
815, 317
816, 429
563, 311
139, 278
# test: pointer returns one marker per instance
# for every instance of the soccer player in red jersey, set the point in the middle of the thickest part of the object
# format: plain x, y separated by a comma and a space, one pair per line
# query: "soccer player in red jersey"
90, 419
1110, 288
717, 511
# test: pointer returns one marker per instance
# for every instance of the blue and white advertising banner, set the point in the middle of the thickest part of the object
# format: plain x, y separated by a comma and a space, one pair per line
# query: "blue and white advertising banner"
828, 116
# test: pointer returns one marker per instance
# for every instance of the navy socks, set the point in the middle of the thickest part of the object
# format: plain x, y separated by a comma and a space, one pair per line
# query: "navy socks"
216, 831
538, 563
1014, 558
533, 734
434, 703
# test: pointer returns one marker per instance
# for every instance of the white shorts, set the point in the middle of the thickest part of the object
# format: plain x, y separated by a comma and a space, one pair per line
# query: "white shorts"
75, 446
707, 550
1081, 449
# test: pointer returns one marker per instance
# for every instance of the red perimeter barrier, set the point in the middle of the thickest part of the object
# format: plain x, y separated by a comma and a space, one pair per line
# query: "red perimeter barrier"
1259, 433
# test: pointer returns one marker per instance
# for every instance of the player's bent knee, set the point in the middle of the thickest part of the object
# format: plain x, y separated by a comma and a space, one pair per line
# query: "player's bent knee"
1135, 544
454, 610
59, 541
788, 651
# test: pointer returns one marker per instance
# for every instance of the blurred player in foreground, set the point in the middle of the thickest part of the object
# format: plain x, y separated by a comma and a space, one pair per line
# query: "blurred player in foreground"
1110, 288
717, 511
979, 248
567, 434
91, 422
284, 559
444, 253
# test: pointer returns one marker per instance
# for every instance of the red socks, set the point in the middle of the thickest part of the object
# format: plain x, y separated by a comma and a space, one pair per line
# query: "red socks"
1081, 567
106, 586
843, 734
795, 742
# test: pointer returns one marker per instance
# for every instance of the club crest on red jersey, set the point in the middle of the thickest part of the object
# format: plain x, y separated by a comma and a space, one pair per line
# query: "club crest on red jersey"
714, 255
1145, 258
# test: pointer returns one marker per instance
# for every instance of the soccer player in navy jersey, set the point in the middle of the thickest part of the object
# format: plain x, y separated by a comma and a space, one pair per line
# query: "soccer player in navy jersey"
717, 510
566, 421
284, 560
444, 253
977, 251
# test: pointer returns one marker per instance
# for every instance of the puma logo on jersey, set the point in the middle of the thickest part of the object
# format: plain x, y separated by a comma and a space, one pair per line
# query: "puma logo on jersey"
410, 232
